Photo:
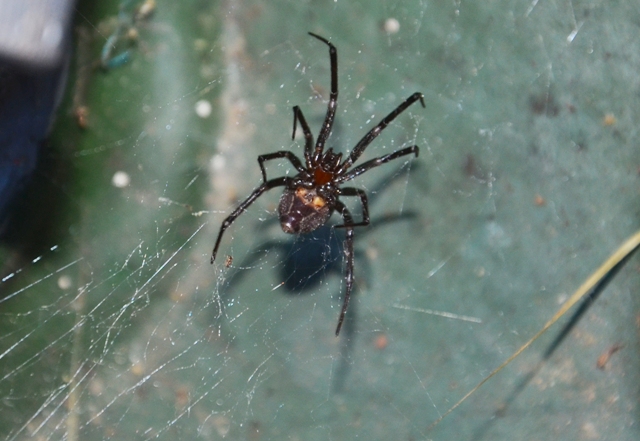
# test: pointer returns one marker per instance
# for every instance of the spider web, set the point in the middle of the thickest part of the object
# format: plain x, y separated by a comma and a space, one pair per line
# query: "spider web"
120, 329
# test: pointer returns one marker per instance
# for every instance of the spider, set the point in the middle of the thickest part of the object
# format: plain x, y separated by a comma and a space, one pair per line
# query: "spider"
310, 198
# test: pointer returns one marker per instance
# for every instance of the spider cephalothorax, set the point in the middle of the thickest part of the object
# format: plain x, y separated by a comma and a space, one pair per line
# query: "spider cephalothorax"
310, 198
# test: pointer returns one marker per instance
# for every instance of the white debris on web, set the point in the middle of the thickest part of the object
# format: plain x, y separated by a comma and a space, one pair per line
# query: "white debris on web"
121, 179
203, 108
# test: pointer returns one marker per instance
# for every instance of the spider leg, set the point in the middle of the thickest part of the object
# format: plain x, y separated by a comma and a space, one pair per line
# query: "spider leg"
268, 185
373, 133
350, 191
308, 137
376, 162
348, 253
281, 154
325, 131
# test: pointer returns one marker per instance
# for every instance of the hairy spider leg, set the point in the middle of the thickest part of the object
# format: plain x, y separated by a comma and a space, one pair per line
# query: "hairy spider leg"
351, 191
373, 133
268, 185
308, 136
325, 131
281, 154
376, 162
348, 253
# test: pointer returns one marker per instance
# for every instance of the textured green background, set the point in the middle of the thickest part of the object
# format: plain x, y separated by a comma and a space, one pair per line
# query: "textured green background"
150, 341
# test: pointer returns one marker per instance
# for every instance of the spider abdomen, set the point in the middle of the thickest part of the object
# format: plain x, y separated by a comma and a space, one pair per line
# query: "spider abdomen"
302, 210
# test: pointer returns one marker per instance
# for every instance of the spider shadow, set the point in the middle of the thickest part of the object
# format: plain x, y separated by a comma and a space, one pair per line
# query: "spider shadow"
308, 259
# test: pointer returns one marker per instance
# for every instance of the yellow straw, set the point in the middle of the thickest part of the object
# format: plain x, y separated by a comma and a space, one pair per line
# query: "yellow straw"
627, 248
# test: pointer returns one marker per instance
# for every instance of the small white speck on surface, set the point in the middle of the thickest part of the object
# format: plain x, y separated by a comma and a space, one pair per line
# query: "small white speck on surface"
217, 162
497, 236
64, 282
203, 108
391, 26
120, 179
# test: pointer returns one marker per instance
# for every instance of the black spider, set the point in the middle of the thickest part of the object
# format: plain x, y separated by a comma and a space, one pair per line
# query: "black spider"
311, 197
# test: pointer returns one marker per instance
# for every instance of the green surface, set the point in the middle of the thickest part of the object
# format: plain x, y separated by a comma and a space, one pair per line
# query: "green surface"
525, 184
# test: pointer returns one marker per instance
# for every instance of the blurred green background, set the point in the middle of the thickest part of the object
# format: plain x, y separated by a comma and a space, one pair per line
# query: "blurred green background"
525, 183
